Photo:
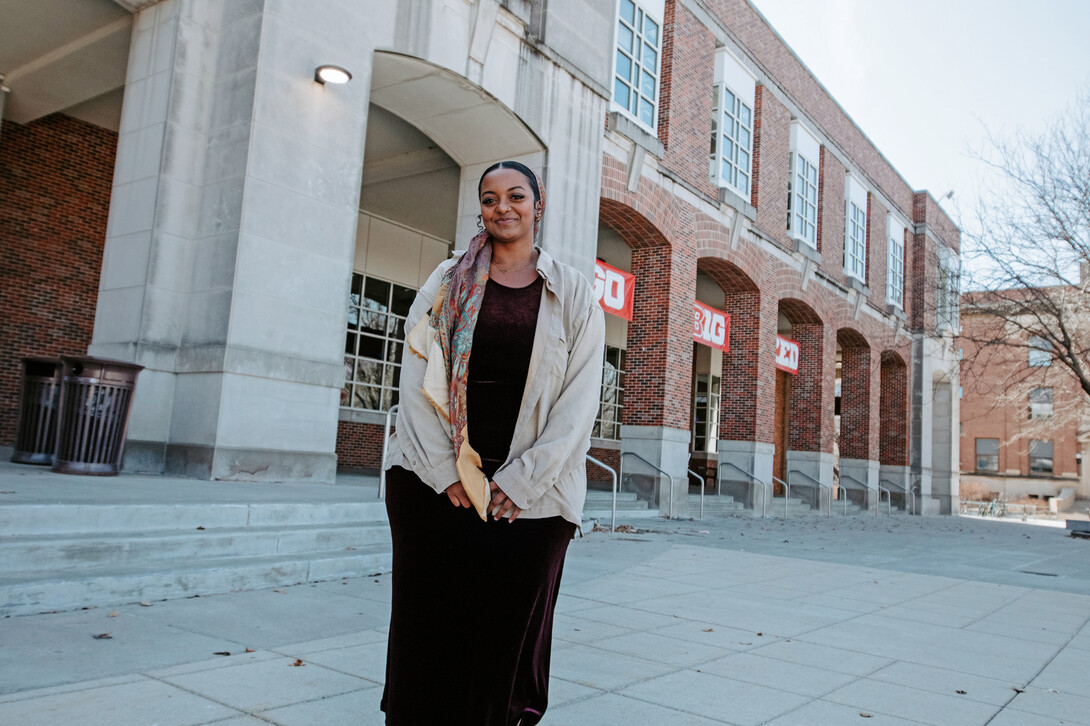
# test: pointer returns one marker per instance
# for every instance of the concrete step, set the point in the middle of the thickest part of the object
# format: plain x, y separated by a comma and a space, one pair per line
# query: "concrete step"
35, 592
598, 495
67, 519
62, 556
58, 553
715, 505
795, 507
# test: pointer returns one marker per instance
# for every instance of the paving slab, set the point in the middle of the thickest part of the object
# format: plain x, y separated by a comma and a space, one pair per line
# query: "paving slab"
811, 622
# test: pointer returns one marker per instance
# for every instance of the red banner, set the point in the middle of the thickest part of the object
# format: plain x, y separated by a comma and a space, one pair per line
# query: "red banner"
711, 327
787, 355
614, 289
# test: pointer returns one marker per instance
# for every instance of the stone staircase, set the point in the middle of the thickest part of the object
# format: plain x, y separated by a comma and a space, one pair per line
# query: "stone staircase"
716, 506
796, 507
599, 505
66, 556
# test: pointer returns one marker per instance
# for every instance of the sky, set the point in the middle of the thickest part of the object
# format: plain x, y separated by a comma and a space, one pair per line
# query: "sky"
927, 80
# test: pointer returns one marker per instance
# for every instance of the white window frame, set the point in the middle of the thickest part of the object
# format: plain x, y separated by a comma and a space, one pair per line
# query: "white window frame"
1042, 406
705, 436
895, 262
947, 301
732, 125
855, 230
802, 186
374, 323
1040, 352
652, 10
607, 424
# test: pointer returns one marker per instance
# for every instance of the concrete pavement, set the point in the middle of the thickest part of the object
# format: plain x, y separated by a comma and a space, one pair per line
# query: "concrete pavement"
861, 620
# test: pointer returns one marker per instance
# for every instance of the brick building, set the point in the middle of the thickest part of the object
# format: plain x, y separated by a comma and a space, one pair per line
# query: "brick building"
250, 206
1025, 420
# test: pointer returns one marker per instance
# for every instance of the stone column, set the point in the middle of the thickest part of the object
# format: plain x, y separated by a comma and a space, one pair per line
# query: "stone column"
231, 233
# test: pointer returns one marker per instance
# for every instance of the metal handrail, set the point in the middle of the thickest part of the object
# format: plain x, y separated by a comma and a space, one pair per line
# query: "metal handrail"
889, 501
740, 470
613, 472
904, 490
701, 480
862, 486
385, 447
844, 496
670, 514
821, 486
786, 492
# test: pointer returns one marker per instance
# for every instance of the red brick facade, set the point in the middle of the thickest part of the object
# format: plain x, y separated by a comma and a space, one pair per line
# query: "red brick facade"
672, 236
55, 180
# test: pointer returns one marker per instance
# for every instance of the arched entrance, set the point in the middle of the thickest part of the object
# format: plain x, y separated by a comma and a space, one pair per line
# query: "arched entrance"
430, 133
804, 412
855, 460
893, 429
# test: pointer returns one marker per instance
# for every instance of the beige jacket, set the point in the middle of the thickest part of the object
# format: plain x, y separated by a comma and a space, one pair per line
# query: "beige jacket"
545, 473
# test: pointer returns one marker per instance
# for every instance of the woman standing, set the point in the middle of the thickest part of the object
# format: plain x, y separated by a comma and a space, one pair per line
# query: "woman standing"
488, 477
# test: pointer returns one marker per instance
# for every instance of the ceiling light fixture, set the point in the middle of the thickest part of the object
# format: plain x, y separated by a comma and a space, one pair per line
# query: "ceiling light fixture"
331, 74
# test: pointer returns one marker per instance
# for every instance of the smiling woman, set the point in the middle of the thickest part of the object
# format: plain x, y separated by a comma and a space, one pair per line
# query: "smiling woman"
498, 397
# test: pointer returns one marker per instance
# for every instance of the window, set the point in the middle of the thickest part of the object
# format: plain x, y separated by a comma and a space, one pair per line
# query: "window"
855, 230
802, 185
705, 412
1040, 457
1040, 352
732, 124
895, 275
608, 423
987, 454
372, 349
636, 63
947, 290
1040, 402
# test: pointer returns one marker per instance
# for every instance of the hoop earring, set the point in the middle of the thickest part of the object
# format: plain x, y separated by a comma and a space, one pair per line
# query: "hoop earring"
480, 224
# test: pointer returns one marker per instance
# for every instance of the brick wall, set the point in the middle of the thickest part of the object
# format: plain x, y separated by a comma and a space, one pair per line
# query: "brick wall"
685, 111
807, 390
831, 182
855, 392
55, 181
610, 457
877, 249
359, 445
893, 447
771, 165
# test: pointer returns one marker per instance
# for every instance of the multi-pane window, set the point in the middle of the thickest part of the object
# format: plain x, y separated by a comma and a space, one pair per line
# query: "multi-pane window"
705, 412
1040, 352
802, 200
607, 425
1040, 457
373, 342
895, 277
947, 290
987, 454
636, 63
1040, 402
732, 139
855, 241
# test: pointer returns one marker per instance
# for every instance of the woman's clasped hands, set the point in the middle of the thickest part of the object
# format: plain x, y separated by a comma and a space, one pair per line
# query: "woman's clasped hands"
501, 506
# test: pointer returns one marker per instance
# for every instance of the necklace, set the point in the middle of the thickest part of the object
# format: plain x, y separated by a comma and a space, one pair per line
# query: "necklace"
510, 270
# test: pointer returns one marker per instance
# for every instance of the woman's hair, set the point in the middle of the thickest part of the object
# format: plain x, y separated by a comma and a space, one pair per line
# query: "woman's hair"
520, 168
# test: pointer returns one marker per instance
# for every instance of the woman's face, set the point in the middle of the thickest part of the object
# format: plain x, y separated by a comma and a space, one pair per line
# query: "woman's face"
507, 206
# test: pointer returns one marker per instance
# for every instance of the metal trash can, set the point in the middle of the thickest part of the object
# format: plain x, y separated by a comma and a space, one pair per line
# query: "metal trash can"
96, 397
36, 432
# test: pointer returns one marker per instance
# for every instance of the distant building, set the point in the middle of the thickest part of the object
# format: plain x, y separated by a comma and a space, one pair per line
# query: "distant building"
180, 192
1025, 421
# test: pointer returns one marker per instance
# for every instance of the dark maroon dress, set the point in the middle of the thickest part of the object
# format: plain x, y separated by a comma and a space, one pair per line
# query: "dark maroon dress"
471, 624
